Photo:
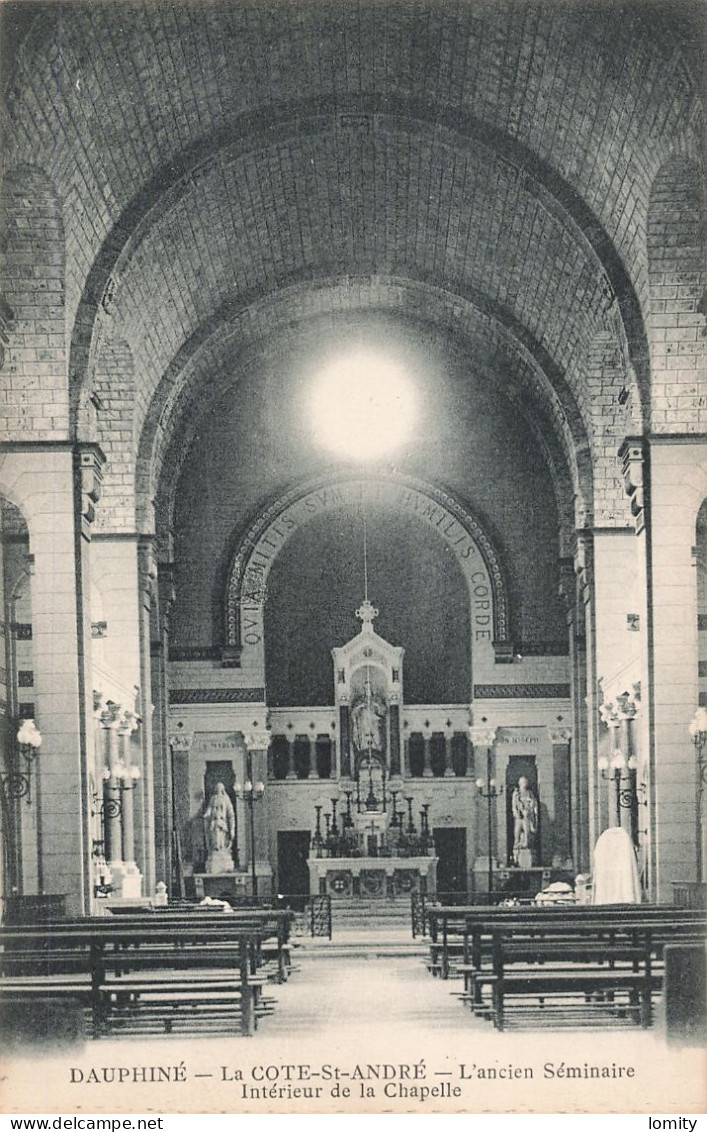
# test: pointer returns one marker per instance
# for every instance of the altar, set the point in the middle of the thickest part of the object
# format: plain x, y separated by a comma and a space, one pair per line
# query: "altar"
372, 878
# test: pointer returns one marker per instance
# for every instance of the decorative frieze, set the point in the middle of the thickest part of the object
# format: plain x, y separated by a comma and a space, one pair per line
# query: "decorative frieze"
217, 695
521, 691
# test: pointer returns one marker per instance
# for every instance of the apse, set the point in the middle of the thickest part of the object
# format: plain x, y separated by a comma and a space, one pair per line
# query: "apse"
317, 583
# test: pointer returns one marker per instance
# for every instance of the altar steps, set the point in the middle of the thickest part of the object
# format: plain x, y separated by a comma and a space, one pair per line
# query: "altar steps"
362, 943
371, 915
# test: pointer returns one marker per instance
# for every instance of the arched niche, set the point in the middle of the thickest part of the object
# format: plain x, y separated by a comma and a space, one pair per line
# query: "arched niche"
460, 532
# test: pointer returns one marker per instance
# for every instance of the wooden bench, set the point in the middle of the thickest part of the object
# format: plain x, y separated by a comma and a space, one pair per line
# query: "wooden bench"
459, 933
543, 955
147, 970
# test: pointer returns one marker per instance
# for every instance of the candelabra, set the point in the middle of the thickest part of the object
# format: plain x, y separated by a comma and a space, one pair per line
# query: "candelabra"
489, 791
14, 785
17, 784
251, 792
625, 797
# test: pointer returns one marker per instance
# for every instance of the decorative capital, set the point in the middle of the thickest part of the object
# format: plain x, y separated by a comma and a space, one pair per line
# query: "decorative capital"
129, 722
560, 736
632, 456
483, 736
180, 741
625, 706
258, 740
111, 715
608, 714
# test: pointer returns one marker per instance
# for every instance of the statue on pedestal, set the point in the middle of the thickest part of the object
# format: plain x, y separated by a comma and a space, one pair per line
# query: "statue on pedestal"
524, 805
368, 720
219, 831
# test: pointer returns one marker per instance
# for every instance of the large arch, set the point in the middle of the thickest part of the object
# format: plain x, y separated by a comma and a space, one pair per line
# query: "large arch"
257, 547
197, 378
460, 132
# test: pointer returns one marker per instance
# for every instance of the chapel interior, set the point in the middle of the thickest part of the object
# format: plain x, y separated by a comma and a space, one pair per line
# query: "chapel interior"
438, 633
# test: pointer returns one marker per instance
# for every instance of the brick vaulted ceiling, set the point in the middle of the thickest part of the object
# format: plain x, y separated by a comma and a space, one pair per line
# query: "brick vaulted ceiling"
225, 171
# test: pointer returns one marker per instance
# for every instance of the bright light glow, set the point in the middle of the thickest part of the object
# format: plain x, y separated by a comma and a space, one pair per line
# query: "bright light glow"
363, 406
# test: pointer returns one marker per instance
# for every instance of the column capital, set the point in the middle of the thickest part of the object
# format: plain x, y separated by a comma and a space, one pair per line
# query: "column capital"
129, 722
560, 736
260, 740
180, 740
111, 716
100, 704
483, 736
608, 714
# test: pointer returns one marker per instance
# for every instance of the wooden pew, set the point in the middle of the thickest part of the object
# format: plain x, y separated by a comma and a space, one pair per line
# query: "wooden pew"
540, 953
147, 970
456, 935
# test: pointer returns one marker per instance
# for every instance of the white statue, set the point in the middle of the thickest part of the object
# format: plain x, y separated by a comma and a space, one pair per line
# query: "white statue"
525, 823
219, 820
368, 718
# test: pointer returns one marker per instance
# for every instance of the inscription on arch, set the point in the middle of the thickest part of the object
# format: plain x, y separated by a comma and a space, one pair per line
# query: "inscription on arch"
264, 540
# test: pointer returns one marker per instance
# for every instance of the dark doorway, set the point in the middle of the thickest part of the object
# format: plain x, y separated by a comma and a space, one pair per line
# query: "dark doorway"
292, 869
450, 846
222, 771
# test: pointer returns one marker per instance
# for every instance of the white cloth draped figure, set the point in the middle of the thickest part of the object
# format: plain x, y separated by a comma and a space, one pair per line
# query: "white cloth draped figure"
616, 879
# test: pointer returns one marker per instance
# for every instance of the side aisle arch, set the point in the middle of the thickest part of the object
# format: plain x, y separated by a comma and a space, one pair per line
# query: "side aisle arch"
261, 543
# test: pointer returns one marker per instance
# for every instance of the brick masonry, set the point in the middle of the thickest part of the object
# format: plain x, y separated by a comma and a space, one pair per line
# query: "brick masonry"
496, 155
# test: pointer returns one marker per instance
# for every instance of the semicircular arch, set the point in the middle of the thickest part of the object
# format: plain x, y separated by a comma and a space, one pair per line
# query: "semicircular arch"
464, 534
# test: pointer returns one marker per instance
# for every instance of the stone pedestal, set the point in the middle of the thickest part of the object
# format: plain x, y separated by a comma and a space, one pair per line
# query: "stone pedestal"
127, 881
219, 861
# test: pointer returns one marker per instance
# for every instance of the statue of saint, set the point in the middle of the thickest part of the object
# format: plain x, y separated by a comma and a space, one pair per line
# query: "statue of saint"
368, 718
524, 805
219, 820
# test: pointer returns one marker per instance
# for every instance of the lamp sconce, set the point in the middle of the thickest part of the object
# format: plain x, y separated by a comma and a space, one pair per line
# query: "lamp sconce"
613, 769
490, 790
17, 784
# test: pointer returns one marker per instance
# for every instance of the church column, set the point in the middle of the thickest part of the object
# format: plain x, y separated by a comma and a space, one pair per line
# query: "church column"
448, 754
291, 773
580, 850
129, 780
482, 740
587, 795
609, 766
111, 721
626, 793
178, 747
345, 740
562, 792
394, 714
427, 751
257, 744
57, 487
312, 738
159, 791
